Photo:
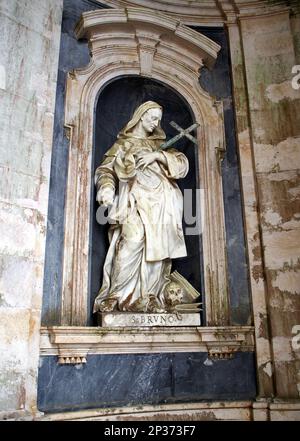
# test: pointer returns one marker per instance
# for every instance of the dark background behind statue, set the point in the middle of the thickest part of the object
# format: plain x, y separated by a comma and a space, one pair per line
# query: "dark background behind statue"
115, 107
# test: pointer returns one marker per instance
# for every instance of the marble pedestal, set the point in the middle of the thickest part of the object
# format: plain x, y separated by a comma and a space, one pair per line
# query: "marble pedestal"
126, 319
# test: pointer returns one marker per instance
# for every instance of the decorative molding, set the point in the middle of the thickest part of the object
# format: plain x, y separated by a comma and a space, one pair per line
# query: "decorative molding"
206, 12
104, 26
64, 359
221, 354
276, 409
72, 344
116, 39
188, 12
216, 410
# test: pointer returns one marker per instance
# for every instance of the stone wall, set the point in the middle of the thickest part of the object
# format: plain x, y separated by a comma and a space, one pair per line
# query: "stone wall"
270, 53
29, 57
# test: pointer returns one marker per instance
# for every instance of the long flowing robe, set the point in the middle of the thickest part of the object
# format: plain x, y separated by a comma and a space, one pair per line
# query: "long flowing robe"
147, 212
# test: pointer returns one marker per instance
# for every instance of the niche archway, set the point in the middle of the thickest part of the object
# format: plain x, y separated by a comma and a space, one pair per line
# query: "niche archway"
135, 42
115, 105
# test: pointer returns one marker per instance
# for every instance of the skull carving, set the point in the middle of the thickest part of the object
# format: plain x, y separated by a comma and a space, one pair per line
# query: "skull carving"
173, 294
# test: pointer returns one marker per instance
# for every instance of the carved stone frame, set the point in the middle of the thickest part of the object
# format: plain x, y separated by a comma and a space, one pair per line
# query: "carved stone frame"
132, 41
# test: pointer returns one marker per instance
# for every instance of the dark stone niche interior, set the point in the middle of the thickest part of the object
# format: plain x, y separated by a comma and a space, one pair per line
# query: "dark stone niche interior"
115, 106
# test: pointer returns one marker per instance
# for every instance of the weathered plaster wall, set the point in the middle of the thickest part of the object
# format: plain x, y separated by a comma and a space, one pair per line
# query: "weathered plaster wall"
30, 34
271, 49
252, 229
73, 54
295, 28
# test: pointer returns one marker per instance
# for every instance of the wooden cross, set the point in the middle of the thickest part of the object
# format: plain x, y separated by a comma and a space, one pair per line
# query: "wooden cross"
183, 132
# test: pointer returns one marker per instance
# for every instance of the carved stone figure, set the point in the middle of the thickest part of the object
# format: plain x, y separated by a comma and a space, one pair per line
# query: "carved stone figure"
173, 295
138, 180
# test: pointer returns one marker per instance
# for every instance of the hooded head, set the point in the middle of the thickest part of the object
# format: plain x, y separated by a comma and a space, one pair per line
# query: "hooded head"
157, 133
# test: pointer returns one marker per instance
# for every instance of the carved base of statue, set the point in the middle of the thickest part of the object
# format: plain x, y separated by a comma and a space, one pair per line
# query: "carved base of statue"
179, 299
127, 319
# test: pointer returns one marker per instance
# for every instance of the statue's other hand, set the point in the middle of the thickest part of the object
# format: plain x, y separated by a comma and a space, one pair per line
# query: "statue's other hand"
145, 159
106, 196
107, 201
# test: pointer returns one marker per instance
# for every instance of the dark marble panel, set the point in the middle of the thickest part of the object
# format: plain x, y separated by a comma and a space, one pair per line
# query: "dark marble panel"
197, 378
55, 226
217, 83
136, 379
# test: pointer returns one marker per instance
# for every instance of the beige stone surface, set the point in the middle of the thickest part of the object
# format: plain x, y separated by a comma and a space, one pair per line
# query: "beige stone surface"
251, 212
269, 53
213, 411
279, 157
280, 200
285, 415
218, 410
29, 48
28, 281
282, 248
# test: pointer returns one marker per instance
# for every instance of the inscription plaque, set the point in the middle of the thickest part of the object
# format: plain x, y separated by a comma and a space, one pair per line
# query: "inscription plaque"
115, 320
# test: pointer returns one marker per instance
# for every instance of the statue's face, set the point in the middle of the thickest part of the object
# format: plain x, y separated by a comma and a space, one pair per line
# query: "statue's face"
151, 119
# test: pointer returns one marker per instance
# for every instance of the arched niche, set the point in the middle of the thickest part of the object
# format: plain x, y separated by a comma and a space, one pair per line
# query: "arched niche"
115, 104
134, 42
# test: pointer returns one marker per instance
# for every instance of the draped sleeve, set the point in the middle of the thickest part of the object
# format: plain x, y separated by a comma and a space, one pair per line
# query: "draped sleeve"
105, 175
118, 165
177, 164
125, 165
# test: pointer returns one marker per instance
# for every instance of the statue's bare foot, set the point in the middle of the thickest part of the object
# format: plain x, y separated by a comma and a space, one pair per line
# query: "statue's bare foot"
108, 305
154, 306
140, 305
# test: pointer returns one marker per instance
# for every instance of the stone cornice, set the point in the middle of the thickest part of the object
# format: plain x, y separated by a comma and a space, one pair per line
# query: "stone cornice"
188, 12
72, 344
206, 12
218, 410
146, 26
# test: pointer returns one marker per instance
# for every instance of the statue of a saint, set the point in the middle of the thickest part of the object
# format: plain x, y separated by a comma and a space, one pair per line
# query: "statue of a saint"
138, 180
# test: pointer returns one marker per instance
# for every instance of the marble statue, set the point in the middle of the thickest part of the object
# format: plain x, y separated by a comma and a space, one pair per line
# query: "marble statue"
137, 180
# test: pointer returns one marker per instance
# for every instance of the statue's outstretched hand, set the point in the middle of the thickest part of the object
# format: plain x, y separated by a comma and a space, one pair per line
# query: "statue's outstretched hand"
105, 196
